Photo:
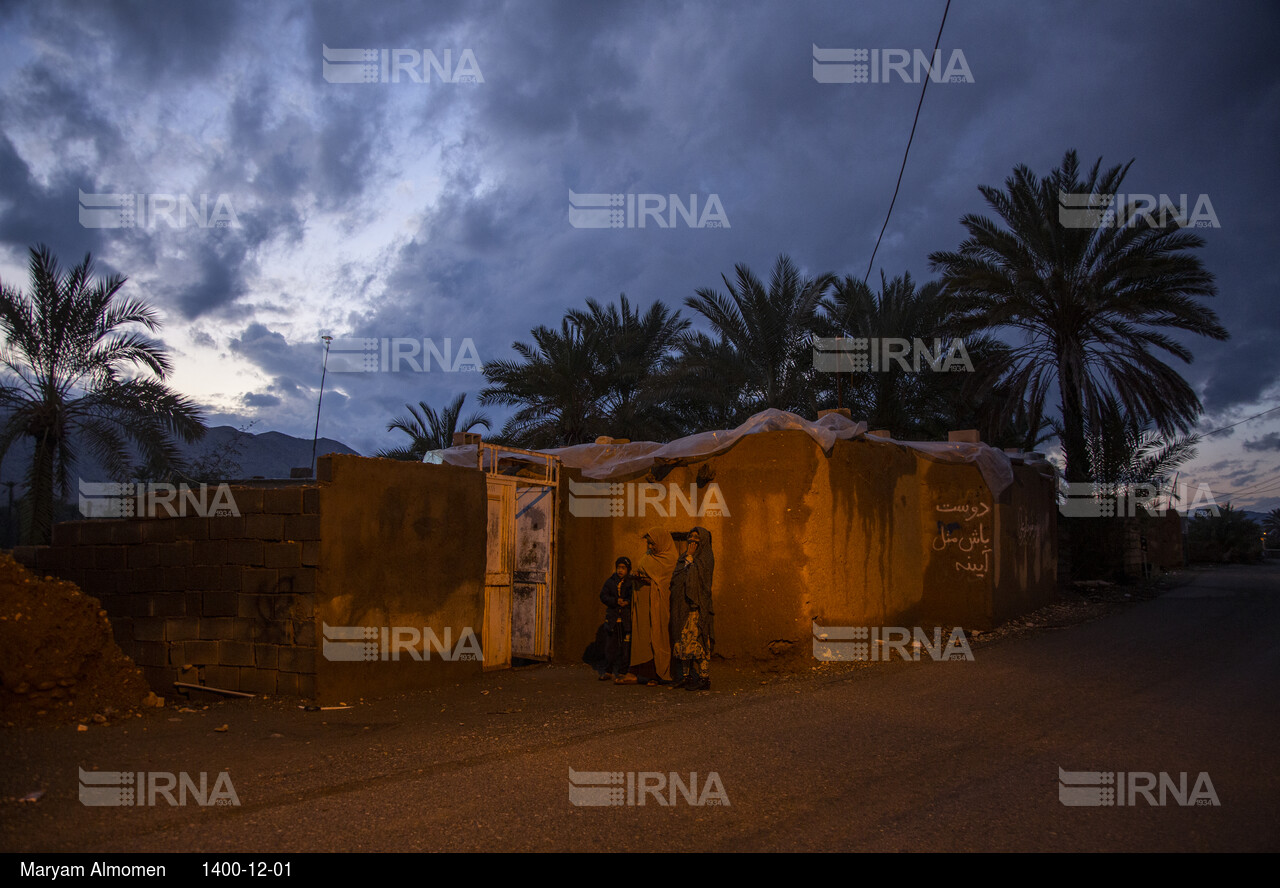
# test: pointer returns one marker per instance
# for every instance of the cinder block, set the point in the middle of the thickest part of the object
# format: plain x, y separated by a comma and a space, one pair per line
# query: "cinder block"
182, 628
287, 684
311, 501
259, 581
160, 678
168, 604
143, 556
93, 582
311, 553
283, 555
230, 578
262, 608
304, 632
149, 629
303, 607
248, 499
276, 632
307, 686
96, 533
246, 552
107, 582
208, 551
301, 581
191, 527
126, 531
266, 656
215, 628
136, 604
178, 553
244, 630
302, 527
264, 527
160, 529
221, 604
200, 653
149, 579
225, 677
228, 528
66, 534
297, 659
149, 653
235, 653
109, 557
324, 468
282, 500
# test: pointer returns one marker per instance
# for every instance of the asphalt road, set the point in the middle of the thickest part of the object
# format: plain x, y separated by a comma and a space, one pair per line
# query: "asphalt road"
918, 756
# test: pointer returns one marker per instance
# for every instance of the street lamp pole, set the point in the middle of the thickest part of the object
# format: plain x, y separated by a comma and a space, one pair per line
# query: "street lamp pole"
324, 369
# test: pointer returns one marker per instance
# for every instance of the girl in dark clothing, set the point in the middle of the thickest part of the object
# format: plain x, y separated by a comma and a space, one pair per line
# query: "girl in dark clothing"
616, 596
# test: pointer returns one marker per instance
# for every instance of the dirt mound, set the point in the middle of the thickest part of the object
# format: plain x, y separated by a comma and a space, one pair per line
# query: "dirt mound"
58, 659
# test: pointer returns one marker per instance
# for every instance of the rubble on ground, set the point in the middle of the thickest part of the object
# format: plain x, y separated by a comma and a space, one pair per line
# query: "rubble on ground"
58, 660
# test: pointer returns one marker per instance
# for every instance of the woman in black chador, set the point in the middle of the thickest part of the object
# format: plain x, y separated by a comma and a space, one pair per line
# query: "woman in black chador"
692, 617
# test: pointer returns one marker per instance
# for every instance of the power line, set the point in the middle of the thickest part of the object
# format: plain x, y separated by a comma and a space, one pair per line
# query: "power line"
903, 169
1256, 488
1246, 419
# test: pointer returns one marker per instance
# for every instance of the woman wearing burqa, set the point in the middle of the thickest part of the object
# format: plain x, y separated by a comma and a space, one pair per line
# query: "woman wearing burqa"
650, 638
692, 617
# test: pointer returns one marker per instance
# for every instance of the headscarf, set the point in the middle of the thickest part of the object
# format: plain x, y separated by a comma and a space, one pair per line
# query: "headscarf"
650, 638
691, 588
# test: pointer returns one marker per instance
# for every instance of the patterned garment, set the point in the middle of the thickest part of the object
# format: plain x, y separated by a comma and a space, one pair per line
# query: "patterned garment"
689, 647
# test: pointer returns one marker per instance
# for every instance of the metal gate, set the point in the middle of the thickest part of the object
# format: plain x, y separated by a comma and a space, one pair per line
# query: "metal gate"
519, 596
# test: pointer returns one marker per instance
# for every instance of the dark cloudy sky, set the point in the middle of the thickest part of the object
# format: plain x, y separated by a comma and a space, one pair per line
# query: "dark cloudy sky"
441, 210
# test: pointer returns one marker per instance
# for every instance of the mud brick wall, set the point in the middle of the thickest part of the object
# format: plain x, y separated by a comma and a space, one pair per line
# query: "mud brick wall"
223, 601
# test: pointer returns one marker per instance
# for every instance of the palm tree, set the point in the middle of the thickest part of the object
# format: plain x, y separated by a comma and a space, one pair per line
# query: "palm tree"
635, 358
558, 386
66, 382
769, 333
706, 382
1094, 305
1271, 522
916, 403
1122, 453
429, 430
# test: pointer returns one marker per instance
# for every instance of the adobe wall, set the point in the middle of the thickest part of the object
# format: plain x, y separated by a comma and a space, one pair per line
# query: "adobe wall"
401, 544
875, 535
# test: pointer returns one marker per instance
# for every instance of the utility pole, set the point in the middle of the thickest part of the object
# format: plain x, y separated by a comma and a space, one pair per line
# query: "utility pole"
324, 369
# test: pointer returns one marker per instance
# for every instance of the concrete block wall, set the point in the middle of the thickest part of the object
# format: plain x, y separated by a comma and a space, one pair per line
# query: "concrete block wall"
230, 597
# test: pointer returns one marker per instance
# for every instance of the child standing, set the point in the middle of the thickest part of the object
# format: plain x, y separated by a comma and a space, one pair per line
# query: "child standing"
616, 596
